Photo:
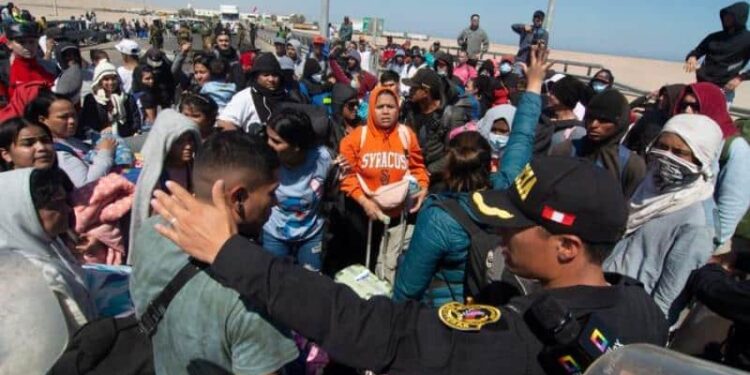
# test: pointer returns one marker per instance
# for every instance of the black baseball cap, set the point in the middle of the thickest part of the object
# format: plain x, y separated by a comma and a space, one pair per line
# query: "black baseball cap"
565, 195
426, 78
22, 30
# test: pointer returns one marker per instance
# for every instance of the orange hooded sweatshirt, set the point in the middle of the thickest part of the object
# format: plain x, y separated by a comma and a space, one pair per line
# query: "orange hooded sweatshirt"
383, 158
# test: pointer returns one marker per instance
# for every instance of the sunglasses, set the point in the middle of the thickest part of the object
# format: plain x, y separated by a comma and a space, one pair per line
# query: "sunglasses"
693, 105
351, 105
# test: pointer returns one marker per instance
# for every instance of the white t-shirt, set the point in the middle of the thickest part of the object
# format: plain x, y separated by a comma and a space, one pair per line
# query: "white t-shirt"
365, 65
43, 44
241, 111
126, 77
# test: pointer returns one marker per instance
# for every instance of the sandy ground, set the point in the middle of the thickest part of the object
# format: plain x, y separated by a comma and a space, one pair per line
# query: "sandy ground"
643, 74
106, 11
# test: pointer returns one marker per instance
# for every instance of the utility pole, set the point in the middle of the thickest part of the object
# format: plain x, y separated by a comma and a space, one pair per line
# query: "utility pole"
550, 16
324, 5
54, 5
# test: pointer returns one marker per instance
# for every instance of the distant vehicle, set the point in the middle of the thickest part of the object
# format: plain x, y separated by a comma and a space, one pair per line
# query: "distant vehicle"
229, 14
77, 33
305, 26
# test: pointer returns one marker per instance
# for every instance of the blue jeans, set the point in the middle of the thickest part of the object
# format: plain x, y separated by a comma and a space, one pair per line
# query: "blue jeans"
307, 252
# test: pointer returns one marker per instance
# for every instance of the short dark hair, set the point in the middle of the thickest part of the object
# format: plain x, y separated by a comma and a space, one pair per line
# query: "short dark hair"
218, 68
389, 76
9, 131
294, 127
39, 107
201, 103
98, 54
44, 183
596, 252
230, 151
474, 15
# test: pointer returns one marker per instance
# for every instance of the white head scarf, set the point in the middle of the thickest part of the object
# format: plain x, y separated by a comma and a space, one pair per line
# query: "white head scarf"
503, 111
704, 138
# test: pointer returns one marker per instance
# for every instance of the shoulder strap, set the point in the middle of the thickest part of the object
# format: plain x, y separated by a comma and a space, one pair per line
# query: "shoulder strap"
362, 136
623, 155
64, 148
725, 150
403, 134
158, 306
451, 206
568, 132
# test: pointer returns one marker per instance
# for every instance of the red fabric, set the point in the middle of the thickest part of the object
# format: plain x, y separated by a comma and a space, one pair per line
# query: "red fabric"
27, 70
367, 81
502, 96
246, 60
23, 95
712, 103
387, 55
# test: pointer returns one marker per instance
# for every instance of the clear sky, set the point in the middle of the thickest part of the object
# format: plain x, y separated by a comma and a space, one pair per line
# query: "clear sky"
663, 29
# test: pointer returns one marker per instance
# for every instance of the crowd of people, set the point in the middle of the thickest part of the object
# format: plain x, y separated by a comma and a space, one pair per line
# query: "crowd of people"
213, 198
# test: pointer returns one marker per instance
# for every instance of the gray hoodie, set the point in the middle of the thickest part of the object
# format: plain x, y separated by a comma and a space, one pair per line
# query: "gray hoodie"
21, 232
169, 126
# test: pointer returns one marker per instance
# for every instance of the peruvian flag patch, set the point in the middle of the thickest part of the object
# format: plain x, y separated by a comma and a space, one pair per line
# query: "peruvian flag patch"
559, 217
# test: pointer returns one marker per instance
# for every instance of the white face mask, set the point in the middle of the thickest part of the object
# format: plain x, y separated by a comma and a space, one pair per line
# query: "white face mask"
498, 142
317, 77
505, 68
598, 86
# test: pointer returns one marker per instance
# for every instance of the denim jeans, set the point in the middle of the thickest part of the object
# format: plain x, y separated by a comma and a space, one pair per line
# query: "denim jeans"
307, 253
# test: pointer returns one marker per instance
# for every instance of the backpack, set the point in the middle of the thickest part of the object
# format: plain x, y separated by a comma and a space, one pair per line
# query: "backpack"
486, 280
743, 124
623, 157
121, 346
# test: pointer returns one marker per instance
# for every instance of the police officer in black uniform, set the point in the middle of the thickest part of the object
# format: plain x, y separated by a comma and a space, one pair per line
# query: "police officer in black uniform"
560, 219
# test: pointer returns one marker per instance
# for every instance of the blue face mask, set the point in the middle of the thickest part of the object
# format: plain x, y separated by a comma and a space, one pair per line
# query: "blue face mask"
598, 86
498, 142
505, 68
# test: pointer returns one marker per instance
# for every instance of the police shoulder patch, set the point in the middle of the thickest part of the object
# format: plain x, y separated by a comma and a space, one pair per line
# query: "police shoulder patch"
468, 317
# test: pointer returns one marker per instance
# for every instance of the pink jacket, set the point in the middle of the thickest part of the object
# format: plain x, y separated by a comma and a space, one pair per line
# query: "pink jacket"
464, 72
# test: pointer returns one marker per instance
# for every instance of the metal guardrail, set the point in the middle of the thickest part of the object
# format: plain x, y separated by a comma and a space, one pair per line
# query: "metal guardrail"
627, 90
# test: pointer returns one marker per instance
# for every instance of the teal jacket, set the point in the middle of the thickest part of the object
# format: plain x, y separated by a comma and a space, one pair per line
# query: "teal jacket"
520, 146
432, 269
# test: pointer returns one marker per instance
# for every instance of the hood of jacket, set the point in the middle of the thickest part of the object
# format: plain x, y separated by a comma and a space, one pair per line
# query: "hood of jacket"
712, 103
169, 126
21, 231
504, 111
739, 10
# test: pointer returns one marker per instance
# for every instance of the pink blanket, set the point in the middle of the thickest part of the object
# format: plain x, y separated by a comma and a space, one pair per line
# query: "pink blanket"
98, 208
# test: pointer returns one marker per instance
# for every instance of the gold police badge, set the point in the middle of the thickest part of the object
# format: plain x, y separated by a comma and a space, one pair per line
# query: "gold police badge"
467, 317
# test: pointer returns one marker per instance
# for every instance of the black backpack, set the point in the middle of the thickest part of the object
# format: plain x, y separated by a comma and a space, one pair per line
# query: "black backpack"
486, 280
121, 346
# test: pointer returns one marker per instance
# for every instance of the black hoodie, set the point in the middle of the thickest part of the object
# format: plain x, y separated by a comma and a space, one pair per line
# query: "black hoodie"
726, 52
339, 96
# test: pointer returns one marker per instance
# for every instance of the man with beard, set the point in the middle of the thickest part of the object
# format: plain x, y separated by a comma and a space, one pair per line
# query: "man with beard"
474, 40
428, 114
207, 327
